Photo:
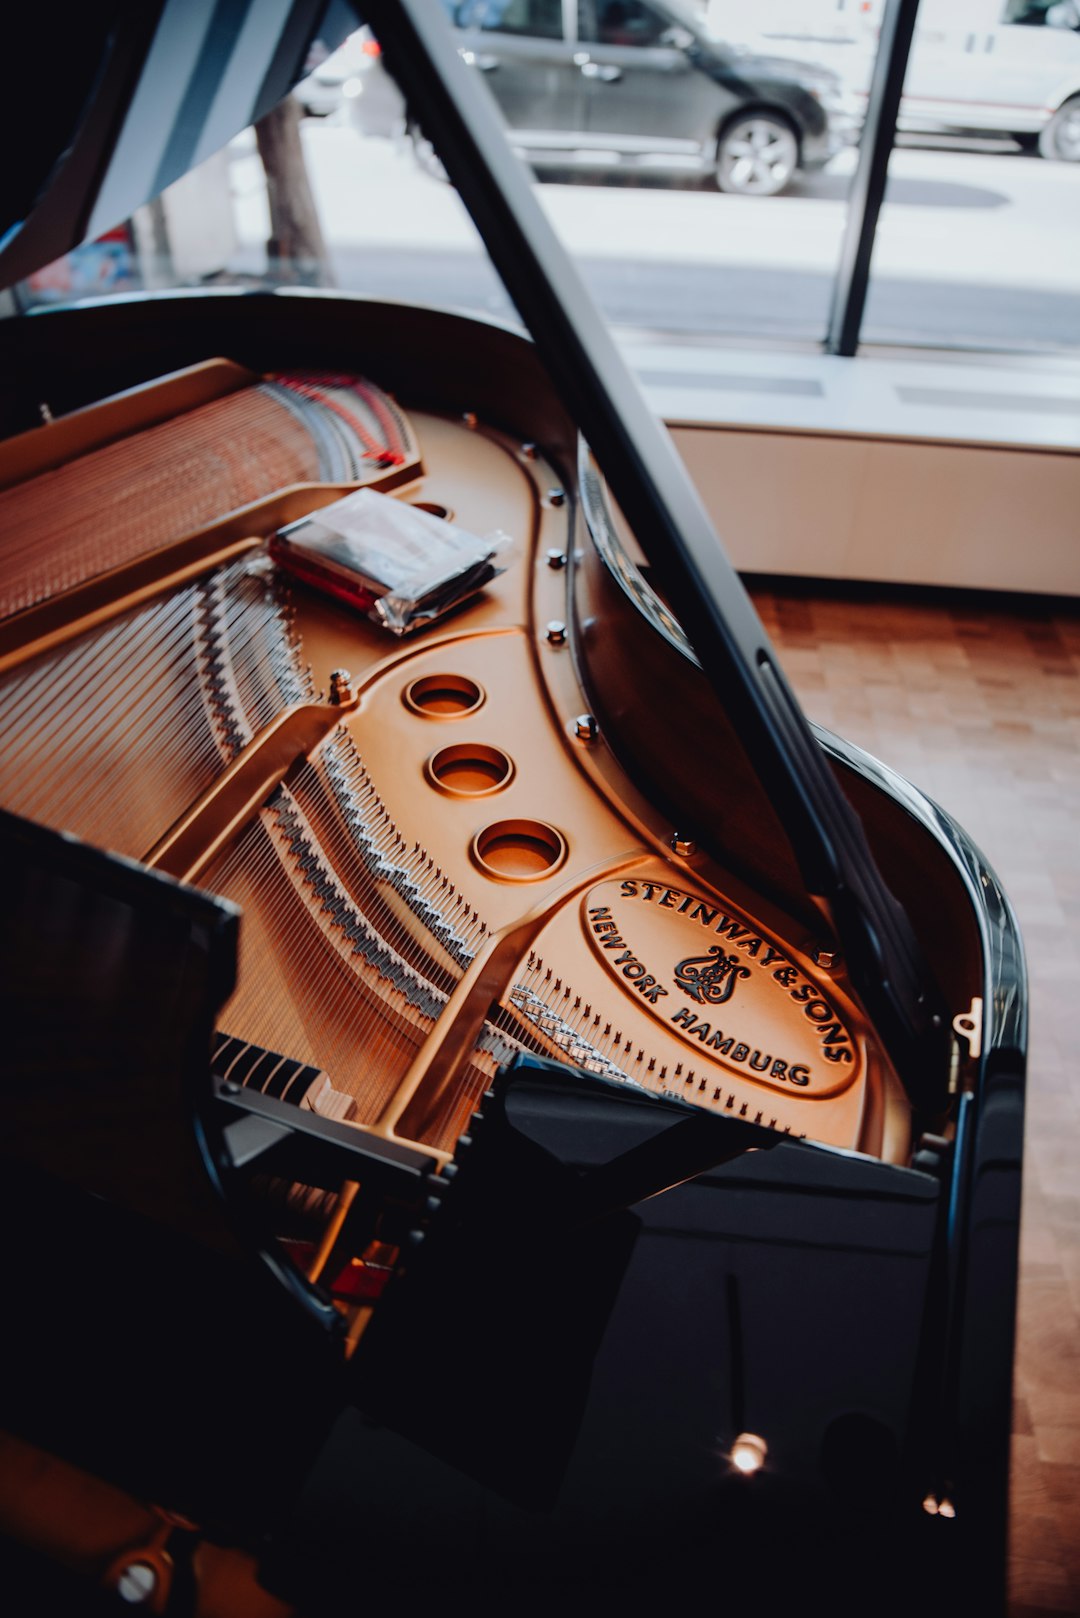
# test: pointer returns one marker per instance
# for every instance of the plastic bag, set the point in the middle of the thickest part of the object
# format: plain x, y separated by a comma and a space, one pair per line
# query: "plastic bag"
401, 566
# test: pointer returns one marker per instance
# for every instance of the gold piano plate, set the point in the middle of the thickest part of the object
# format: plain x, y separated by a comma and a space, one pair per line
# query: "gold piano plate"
417, 862
729, 990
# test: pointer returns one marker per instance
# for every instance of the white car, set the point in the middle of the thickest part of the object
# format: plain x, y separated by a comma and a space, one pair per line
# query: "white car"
1007, 68
337, 78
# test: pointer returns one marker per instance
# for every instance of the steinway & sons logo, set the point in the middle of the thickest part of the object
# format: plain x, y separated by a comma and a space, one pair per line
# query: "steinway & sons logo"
780, 1028
710, 979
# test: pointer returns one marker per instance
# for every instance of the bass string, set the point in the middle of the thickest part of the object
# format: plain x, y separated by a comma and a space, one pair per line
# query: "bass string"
163, 743
60, 742
275, 677
128, 497
134, 667
141, 704
238, 612
244, 639
125, 498
174, 743
35, 685
72, 569
330, 445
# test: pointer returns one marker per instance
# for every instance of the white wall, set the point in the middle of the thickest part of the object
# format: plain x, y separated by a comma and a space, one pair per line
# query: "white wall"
843, 506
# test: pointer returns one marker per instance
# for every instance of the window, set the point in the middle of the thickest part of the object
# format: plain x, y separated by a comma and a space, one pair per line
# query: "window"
622, 22
977, 246
541, 19
1039, 13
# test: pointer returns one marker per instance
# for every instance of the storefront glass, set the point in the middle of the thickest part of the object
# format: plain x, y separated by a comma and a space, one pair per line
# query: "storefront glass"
697, 161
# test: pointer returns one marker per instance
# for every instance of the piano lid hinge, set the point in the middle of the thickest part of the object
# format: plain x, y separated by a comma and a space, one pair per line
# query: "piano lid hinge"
968, 1025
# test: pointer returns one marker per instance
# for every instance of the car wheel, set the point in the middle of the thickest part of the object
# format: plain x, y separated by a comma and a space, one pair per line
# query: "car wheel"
1061, 137
425, 153
756, 155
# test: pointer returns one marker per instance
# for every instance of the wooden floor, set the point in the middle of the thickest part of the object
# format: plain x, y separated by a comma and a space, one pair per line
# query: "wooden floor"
979, 705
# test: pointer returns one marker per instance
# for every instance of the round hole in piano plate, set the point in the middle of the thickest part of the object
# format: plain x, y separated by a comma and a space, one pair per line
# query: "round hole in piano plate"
469, 769
433, 508
443, 696
519, 850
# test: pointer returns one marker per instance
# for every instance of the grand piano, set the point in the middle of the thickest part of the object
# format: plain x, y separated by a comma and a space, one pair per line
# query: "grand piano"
508, 1113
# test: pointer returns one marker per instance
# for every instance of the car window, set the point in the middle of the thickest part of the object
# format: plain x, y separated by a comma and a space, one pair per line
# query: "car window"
621, 22
1040, 13
541, 18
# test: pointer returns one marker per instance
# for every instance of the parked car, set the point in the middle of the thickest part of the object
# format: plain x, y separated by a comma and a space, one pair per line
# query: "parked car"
622, 84
335, 77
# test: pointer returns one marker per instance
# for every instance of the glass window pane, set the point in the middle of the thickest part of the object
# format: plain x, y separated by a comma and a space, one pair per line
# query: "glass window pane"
696, 164
978, 236
695, 160
540, 18
699, 179
626, 22
1042, 13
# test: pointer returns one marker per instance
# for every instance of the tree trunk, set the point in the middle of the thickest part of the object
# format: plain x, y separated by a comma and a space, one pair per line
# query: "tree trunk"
296, 252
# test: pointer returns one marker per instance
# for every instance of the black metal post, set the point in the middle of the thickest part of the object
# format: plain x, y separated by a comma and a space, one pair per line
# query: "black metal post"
868, 186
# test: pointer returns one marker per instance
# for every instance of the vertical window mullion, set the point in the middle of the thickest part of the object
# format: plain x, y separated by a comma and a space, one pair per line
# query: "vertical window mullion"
868, 185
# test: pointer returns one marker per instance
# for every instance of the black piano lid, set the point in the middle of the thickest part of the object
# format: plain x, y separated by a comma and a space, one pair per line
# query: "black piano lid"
165, 97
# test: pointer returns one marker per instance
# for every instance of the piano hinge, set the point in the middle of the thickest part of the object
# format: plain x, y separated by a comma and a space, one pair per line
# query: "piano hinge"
968, 1025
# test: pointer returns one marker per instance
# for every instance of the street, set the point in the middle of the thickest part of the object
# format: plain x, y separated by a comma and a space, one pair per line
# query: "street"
974, 249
